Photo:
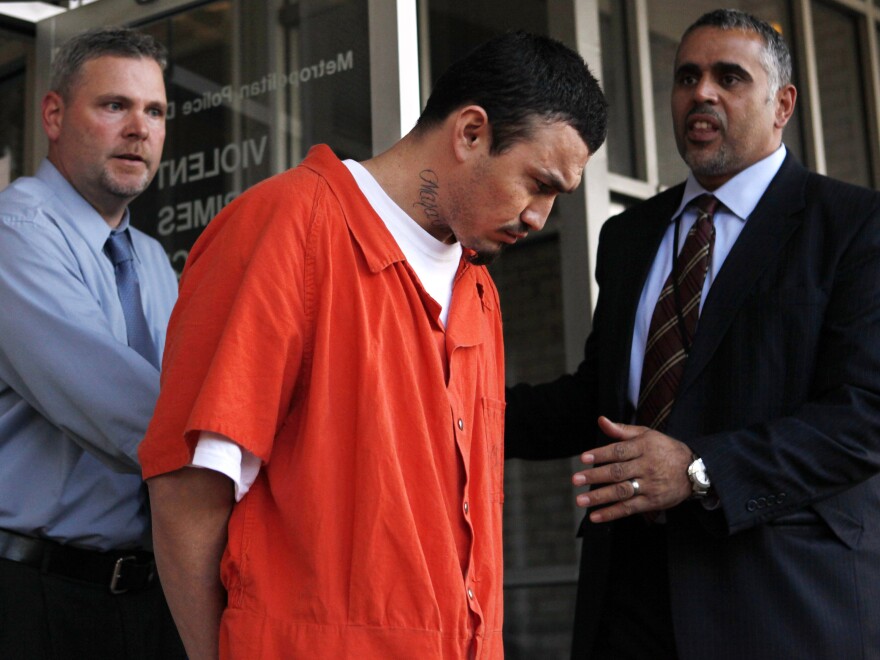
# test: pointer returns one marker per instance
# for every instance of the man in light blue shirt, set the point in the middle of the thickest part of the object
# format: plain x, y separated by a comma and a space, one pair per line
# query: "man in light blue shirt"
81, 335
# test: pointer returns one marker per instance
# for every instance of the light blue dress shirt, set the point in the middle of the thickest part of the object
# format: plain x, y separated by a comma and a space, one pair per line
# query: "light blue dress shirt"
75, 400
740, 195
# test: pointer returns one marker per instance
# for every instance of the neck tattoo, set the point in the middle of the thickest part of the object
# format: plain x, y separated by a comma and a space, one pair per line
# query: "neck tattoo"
428, 194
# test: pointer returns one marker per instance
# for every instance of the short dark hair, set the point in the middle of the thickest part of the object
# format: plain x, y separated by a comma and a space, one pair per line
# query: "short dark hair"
776, 58
99, 42
519, 79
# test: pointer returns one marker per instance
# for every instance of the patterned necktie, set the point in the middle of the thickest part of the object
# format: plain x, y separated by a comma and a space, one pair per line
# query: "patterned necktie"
118, 249
675, 320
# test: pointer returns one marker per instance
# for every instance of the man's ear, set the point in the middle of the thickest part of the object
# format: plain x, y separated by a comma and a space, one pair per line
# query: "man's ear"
52, 114
785, 99
472, 133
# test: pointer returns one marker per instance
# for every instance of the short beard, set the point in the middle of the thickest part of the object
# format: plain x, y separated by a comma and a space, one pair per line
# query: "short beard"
484, 257
716, 165
123, 192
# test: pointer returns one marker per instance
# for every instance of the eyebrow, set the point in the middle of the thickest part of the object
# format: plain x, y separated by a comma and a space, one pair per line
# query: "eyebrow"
732, 67
557, 183
124, 98
717, 67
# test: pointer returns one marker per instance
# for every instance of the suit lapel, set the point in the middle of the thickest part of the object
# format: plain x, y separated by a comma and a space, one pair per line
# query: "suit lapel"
766, 232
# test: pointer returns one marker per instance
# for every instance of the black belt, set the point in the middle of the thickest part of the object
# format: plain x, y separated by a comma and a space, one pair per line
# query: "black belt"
119, 570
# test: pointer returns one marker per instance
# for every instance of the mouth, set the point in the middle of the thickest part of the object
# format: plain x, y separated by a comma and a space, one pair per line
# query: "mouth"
511, 237
703, 126
130, 158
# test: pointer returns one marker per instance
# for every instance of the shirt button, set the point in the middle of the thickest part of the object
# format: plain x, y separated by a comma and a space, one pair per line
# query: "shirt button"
470, 593
466, 508
460, 424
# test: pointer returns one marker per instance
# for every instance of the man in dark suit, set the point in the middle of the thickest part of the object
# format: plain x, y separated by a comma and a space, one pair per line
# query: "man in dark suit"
736, 512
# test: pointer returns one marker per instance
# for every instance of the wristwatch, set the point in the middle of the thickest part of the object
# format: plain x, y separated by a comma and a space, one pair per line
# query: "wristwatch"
700, 483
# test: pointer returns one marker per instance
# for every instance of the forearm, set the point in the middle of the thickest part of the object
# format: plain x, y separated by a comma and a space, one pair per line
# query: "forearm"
557, 419
190, 510
808, 457
544, 422
52, 327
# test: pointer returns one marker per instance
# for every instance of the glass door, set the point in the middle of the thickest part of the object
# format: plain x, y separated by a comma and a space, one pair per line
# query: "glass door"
251, 87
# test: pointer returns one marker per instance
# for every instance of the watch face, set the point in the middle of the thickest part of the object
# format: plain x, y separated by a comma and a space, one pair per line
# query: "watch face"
701, 479
698, 476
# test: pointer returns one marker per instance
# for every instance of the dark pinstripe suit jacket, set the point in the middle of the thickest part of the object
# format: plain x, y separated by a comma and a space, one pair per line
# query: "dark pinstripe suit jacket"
780, 396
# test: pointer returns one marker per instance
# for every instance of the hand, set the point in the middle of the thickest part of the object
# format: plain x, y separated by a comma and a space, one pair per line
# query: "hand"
657, 462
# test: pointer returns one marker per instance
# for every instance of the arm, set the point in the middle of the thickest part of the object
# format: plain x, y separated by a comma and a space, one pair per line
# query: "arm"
58, 351
190, 509
558, 419
825, 438
550, 420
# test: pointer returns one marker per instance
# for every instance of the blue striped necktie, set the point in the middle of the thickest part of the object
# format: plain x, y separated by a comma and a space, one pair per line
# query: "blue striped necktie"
118, 248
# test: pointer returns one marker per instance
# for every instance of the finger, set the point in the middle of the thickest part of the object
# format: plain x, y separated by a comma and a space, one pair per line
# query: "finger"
619, 431
609, 494
607, 474
619, 510
613, 453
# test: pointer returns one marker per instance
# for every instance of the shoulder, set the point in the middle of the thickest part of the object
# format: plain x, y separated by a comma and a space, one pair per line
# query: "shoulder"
275, 208
795, 189
320, 172
291, 202
31, 219
839, 198
296, 183
265, 231
25, 200
287, 195
641, 217
837, 213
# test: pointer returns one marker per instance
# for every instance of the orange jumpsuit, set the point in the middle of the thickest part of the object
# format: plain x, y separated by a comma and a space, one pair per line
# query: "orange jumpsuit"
373, 530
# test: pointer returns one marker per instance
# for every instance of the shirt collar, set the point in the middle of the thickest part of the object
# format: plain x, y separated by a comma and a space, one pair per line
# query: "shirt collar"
741, 194
79, 216
378, 246
405, 230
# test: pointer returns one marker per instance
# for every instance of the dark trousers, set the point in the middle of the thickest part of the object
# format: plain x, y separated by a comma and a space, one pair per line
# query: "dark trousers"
48, 617
636, 621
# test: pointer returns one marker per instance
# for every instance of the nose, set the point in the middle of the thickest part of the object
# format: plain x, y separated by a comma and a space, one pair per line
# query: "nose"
137, 126
705, 91
535, 215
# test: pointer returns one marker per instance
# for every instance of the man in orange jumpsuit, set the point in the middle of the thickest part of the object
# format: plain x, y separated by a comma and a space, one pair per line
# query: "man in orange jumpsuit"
325, 462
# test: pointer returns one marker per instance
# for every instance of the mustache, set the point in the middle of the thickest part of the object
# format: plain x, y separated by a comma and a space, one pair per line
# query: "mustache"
519, 227
704, 109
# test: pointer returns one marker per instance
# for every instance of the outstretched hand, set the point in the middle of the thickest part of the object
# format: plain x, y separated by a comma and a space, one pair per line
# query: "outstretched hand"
644, 471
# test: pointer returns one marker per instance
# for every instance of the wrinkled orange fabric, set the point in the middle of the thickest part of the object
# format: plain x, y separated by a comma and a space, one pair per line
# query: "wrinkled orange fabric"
302, 334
